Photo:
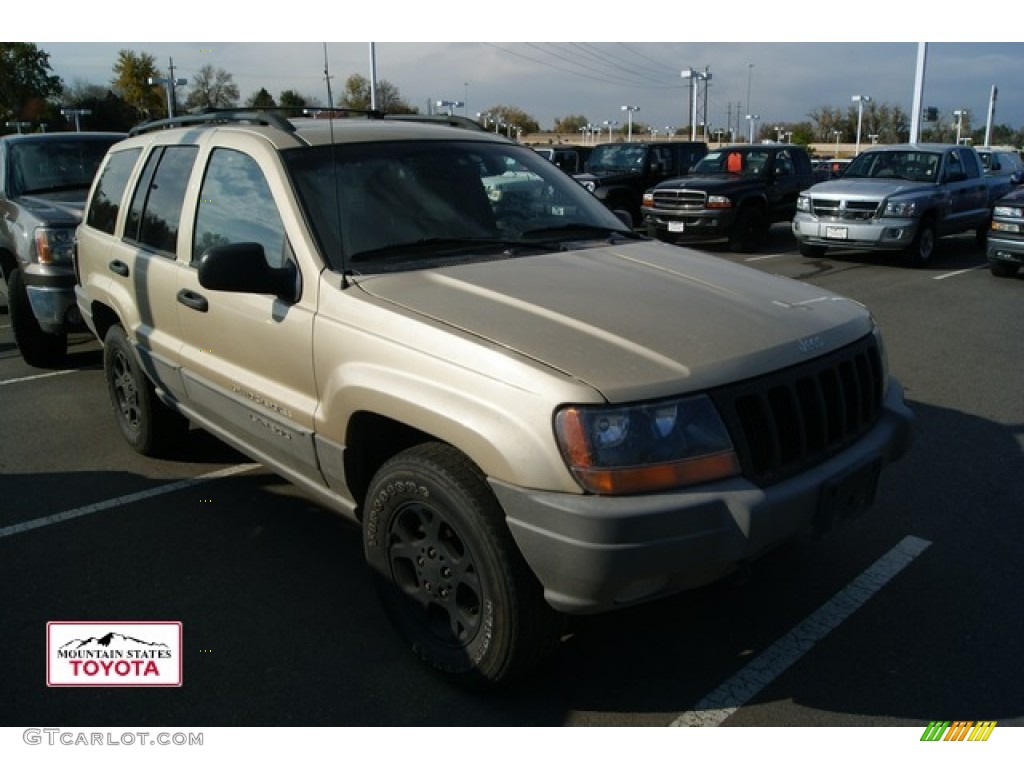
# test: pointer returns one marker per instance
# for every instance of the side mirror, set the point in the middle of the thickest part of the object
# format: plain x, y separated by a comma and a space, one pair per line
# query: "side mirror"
243, 268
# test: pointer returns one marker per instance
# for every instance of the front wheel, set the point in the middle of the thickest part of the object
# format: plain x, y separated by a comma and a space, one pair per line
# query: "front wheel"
749, 231
450, 576
812, 251
1003, 268
921, 251
38, 348
147, 424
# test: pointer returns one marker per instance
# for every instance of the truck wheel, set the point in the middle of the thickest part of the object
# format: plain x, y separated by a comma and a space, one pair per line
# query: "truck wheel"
1003, 268
147, 424
812, 251
920, 252
39, 348
449, 574
748, 231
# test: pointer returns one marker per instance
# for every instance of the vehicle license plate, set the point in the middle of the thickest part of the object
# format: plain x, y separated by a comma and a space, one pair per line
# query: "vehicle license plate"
676, 226
847, 496
835, 233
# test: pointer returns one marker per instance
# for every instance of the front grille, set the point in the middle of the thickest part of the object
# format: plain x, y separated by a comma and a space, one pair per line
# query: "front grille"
793, 419
846, 210
679, 199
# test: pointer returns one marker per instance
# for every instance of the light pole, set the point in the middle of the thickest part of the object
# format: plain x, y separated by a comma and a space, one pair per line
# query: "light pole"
169, 84
629, 120
670, 131
873, 137
611, 124
837, 133
19, 124
750, 76
450, 104
959, 122
752, 118
483, 116
76, 113
860, 116
694, 76
778, 133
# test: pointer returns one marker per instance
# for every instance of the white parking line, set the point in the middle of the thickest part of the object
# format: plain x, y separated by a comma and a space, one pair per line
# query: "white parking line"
767, 256
38, 376
131, 498
716, 707
960, 272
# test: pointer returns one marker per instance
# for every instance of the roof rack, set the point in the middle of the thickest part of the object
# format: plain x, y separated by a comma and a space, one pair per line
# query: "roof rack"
255, 117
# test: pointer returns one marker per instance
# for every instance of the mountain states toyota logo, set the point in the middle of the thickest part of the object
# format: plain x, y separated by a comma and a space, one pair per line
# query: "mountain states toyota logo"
114, 653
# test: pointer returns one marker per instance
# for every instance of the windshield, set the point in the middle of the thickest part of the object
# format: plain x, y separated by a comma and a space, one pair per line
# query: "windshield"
617, 158
388, 206
909, 165
56, 165
739, 161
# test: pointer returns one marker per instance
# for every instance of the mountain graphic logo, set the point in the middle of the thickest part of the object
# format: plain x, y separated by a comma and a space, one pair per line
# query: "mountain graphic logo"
110, 641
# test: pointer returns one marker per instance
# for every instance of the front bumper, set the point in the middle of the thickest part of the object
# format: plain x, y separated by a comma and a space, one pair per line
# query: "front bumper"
888, 234
593, 554
1008, 250
691, 226
51, 294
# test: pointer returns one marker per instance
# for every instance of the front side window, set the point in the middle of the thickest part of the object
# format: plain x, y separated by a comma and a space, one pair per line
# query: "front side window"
106, 200
236, 206
155, 214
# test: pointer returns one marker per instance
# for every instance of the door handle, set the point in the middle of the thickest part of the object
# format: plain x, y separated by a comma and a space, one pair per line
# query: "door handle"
119, 267
193, 300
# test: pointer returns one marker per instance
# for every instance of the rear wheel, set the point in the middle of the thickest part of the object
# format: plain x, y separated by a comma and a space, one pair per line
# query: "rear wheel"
37, 347
147, 424
450, 576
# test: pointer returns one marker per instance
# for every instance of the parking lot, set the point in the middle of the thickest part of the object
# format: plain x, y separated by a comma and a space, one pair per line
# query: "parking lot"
910, 614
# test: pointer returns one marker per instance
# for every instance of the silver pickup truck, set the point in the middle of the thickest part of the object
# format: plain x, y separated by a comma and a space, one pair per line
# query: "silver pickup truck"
897, 198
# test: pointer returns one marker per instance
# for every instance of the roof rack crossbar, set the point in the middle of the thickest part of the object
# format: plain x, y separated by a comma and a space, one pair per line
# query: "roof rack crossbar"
216, 116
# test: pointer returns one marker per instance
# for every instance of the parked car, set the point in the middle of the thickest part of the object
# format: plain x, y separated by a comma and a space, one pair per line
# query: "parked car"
571, 159
734, 192
1005, 247
619, 173
1003, 167
44, 178
900, 197
531, 410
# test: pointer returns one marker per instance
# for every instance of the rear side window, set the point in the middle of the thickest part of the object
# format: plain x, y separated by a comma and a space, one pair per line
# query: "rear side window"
106, 200
155, 213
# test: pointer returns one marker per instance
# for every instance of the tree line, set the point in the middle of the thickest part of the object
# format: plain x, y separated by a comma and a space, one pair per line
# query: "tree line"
32, 98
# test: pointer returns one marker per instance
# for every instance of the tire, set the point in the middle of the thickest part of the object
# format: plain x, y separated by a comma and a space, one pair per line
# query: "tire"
1003, 268
981, 233
812, 251
147, 424
920, 252
449, 574
39, 348
749, 230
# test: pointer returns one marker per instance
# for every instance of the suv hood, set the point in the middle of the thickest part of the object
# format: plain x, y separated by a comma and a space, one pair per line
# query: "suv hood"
634, 321
867, 188
605, 177
712, 182
56, 207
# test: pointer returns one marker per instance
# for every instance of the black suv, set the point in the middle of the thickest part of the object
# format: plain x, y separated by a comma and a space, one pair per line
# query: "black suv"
619, 173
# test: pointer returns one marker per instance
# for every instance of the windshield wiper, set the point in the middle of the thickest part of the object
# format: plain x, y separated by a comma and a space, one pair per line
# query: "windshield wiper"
574, 230
442, 246
55, 188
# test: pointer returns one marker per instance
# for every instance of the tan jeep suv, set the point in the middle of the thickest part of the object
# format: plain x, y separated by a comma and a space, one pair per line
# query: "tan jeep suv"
531, 411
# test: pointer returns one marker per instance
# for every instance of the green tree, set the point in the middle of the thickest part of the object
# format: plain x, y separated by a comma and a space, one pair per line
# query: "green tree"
292, 100
261, 100
570, 123
109, 112
513, 116
212, 89
26, 82
357, 96
132, 73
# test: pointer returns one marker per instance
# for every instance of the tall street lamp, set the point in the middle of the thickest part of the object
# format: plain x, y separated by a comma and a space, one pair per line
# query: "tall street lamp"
860, 116
752, 118
837, 133
629, 120
611, 124
959, 113
169, 84
483, 116
76, 113
449, 104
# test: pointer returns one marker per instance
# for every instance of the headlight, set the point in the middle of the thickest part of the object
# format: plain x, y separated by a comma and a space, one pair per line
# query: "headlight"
54, 246
1008, 211
645, 447
803, 203
648, 200
901, 208
719, 201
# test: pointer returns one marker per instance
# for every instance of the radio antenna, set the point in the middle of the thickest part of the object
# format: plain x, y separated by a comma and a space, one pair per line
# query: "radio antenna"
334, 172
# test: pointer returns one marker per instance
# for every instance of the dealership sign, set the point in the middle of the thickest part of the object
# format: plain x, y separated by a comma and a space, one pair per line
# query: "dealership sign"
113, 653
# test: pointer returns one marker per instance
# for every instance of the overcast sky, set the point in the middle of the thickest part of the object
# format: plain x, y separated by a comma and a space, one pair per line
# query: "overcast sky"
785, 80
